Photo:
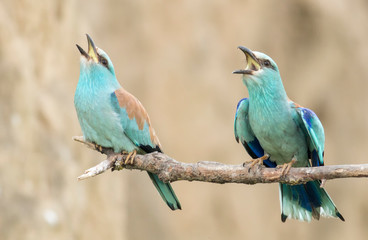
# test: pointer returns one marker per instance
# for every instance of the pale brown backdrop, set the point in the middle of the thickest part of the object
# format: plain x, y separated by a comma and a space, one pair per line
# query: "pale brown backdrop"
177, 58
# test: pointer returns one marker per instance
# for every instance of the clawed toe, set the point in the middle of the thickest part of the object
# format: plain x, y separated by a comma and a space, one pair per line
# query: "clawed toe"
130, 157
98, 147
255, 162
285, 168
120, 163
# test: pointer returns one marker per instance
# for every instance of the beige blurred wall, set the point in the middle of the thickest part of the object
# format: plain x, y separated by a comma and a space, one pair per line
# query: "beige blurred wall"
177, 58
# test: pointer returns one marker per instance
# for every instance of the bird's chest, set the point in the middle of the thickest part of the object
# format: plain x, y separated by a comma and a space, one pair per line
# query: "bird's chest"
277, 133
97, 118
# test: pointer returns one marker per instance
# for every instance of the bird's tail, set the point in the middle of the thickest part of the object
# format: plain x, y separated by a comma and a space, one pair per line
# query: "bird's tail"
305, 201
166, 192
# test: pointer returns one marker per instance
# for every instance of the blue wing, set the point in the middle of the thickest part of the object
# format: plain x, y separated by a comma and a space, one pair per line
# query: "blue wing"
314, 132
244, 133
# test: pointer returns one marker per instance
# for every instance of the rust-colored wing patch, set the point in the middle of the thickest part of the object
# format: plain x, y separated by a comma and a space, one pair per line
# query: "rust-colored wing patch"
135, 109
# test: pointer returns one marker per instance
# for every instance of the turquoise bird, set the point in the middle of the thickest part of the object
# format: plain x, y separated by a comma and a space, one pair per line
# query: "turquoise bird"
111, 117
278, 132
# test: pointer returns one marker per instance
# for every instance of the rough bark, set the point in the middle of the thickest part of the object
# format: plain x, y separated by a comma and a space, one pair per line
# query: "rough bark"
170, 170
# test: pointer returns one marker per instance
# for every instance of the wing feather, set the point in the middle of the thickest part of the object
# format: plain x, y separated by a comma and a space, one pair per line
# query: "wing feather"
313, 129
244, 133
135, 120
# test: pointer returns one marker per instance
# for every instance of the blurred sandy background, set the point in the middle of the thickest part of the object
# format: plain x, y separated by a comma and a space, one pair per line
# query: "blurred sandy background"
177, 58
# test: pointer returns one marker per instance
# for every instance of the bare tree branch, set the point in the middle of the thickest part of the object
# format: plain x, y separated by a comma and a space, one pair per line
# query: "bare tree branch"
170, 170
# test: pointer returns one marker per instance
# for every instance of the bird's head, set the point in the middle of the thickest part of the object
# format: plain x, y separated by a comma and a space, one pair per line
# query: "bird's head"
260, 70
95, 62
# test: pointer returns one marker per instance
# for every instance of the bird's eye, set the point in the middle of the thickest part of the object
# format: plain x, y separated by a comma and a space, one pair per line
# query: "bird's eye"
104, 62
267, 63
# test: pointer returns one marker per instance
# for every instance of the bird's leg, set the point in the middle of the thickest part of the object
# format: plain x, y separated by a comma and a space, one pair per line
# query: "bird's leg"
131, 156
286, 167
124, 153
257, 161
98, 147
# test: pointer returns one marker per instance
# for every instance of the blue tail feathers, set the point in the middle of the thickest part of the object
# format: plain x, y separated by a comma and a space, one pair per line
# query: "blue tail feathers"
166, 192
306, 201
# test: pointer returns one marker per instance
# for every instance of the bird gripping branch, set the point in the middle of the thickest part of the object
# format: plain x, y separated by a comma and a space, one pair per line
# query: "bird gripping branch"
111, 117
278, 132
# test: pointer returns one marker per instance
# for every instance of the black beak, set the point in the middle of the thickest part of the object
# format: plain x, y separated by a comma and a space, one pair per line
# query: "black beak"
83, 53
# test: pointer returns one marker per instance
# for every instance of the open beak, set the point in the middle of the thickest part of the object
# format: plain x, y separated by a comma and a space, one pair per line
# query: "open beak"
92, 51
253, 64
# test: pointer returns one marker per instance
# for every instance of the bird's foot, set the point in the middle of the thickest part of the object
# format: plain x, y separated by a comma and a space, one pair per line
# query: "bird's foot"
256, 162
98, 147
120, 163
285, 168
130, 157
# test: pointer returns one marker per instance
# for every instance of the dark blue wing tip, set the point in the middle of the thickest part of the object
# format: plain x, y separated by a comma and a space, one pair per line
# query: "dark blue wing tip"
316, 162
150, 149
339, 215
283, 217
241, 100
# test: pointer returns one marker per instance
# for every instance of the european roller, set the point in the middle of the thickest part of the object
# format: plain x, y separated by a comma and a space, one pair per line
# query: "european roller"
279, 132
111, 117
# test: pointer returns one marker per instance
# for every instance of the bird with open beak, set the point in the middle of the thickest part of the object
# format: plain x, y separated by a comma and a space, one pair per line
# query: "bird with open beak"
111, 117
276, 131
